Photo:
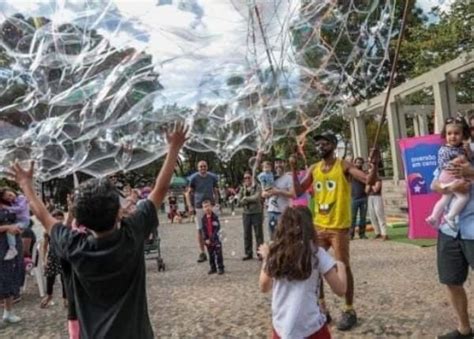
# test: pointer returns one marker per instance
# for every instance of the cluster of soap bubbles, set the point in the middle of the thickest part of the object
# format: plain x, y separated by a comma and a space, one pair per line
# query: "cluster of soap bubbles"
89, 85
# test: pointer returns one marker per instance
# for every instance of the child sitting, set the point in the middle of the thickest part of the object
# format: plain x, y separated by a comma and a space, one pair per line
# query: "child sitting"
295, 266
455, 131
210, 233
19, 206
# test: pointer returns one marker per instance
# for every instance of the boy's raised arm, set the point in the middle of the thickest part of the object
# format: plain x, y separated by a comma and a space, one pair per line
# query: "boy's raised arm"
24, 179
176, 139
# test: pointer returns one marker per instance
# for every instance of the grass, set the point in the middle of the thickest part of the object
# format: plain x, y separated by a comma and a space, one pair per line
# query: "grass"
400, 234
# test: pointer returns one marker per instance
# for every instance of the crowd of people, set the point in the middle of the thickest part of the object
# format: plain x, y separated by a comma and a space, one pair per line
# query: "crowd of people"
308, 212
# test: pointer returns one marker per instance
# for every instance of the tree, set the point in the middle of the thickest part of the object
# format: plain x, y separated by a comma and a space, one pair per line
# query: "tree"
429, 45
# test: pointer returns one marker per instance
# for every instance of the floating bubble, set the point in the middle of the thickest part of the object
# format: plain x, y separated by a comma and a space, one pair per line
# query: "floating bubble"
88, 85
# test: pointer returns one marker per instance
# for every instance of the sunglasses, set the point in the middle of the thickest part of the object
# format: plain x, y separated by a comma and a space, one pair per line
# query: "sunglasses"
457, 119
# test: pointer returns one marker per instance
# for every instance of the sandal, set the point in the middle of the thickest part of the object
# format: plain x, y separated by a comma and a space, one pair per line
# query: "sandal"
46, 301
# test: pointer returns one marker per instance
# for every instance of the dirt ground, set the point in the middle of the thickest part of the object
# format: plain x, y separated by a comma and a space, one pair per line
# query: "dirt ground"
397, 293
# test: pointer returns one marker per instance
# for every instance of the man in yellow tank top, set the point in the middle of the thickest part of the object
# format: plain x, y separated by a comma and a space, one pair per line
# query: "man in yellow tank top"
331, 182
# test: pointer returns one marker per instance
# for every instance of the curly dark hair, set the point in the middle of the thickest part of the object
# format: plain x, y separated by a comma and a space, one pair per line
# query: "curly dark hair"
97, 204
291, 254
459, 121
4, 190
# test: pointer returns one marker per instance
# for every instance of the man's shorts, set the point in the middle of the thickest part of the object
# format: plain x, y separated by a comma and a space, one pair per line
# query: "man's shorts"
198, 217
454, 258
338, 239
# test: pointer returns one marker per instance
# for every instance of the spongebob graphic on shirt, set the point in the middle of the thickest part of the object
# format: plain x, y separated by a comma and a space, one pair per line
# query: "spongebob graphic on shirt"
332, 195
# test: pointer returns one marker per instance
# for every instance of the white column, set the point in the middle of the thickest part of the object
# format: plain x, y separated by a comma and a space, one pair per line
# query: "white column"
355, 150
453, 104
445, 102
361, 135
416, 126
422, 122
402, 121
396, 130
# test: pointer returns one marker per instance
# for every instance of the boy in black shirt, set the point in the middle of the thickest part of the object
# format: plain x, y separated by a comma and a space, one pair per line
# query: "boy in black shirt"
210, 234
108, 265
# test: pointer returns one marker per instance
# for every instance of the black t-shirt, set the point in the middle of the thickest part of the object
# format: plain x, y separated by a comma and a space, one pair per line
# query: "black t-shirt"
108, 276
358, 189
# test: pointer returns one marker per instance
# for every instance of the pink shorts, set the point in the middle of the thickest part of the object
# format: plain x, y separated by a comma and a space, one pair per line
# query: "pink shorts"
446, 178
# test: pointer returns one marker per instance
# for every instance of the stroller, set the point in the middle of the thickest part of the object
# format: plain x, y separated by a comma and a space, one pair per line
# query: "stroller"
153, 250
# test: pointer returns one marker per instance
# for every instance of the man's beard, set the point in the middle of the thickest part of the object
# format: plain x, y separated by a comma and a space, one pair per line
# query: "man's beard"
323, 154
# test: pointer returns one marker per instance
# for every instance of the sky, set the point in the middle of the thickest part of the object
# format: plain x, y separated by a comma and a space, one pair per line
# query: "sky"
426, 5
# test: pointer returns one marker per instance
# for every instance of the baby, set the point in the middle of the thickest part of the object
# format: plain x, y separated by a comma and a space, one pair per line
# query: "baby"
266, 178
455, 131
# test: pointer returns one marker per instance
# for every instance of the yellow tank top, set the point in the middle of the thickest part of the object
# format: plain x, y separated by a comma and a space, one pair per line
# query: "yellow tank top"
332, 197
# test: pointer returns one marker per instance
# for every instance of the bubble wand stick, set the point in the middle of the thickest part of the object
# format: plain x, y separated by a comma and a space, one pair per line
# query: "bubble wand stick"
265, 42
406, 10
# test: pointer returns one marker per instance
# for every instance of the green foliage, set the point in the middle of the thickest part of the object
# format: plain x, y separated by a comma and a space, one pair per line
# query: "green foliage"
428, 45
6, 183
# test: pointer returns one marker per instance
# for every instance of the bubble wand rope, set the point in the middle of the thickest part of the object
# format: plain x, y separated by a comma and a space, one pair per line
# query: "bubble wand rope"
408, 4
299, 149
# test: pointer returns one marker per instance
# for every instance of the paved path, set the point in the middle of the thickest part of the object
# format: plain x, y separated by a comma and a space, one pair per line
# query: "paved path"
397, 293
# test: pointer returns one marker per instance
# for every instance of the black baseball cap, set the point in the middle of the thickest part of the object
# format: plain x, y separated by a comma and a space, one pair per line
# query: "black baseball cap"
328, 137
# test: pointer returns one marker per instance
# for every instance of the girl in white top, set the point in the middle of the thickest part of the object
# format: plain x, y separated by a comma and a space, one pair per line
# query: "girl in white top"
293, 265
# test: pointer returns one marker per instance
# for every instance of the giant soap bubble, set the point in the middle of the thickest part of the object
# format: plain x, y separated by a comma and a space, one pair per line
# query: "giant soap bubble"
89, 85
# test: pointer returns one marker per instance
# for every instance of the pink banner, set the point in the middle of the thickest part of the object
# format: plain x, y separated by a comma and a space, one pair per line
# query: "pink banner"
420, 159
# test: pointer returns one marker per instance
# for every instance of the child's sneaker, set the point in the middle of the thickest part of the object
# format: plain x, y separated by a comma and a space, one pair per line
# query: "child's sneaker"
11, 319
11, 253
202, 257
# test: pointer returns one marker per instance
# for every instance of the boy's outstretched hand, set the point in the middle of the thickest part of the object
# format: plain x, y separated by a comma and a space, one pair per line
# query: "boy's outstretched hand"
176, 138
23, 177
178, 135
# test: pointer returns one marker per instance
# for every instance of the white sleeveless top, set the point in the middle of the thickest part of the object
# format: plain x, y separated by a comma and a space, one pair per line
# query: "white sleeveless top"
295, 304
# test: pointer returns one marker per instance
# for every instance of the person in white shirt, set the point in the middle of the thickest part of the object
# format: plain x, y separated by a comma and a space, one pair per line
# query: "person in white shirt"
294, 266
279, 196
